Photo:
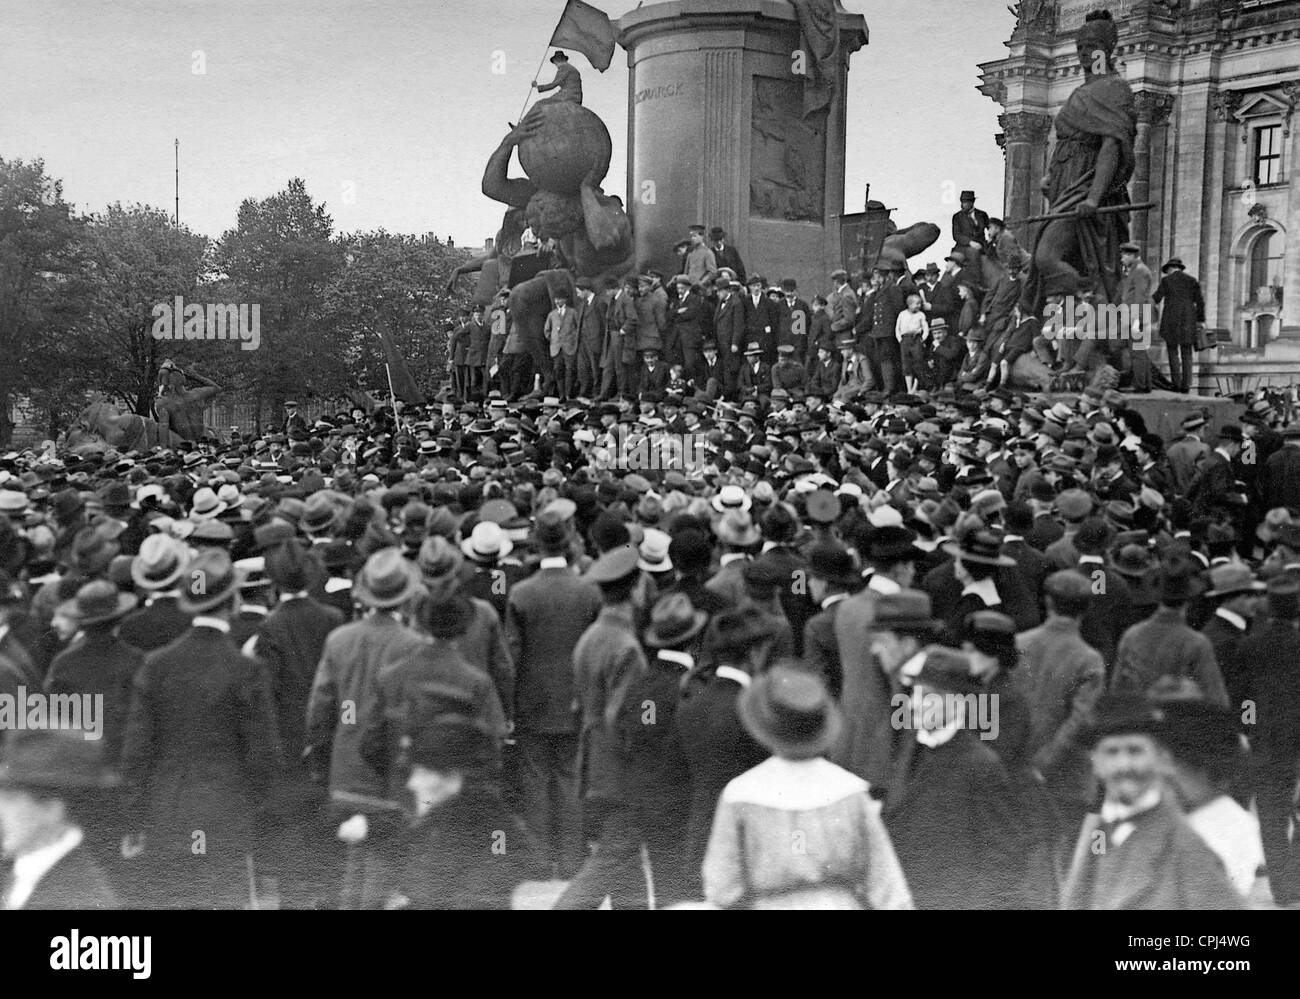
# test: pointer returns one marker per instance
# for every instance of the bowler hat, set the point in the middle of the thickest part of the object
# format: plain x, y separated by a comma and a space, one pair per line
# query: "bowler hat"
1171, 263
980, 547
790, 712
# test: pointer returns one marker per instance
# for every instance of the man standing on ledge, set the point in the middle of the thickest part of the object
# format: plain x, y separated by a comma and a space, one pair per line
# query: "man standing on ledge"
568, 81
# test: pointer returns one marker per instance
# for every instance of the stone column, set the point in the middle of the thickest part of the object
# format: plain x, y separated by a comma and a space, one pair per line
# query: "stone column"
1025, 146
718, 134
1153, 111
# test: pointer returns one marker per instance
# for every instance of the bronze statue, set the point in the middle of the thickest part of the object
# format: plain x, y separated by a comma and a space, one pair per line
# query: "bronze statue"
180, 408
1090, 168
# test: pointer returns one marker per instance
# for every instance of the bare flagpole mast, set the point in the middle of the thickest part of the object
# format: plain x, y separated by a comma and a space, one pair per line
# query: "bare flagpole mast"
178, 183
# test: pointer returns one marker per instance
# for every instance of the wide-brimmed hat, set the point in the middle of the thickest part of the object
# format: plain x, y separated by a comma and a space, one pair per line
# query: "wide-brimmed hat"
1178, 581
737, 528
205, 505
907, 610
55, 759
1227, 580
386, 580
790, 712
97, 602
1171, 263
891, 544
92, 550
834, 564
673, 621
948, 670
159, 563
1133, 560
1123, 714
212, 579
319, 514
487, 543
654, 551
442, 568
979, 547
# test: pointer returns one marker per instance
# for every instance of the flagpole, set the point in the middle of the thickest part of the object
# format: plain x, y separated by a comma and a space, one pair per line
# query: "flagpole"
540, 63
392, 395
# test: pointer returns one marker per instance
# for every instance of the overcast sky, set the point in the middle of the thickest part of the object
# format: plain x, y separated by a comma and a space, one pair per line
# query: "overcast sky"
389, 109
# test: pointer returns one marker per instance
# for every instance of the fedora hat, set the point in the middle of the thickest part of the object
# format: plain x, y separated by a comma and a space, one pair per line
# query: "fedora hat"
737, 529
834, 564
790, 712
907, 610
1123, 714
97, 602
487, 543
891, 544
1133, 560
205, 505
292, 567
318, 515
673, 621
386, 580
159, 564
949, 670
55, 759
615, 565
92, 550
979, 547
1178, 581
1227, 580
1171, 263
442, 568
211, 580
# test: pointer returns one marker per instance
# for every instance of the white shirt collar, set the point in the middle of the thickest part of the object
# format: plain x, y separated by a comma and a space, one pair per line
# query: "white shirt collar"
883, 584
731, 557
1113, 811
203, 621
738, 676
985, 589
678, 658
939, 736
31, 867
1091, 560
833, 598
1232, 617
554, 562
1011, 537
161, 595
286, 597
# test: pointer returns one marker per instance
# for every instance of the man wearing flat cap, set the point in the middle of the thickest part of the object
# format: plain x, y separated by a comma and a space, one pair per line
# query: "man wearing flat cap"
607, 662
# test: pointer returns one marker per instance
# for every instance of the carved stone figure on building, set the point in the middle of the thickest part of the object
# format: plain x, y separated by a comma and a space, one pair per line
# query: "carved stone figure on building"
1090, 167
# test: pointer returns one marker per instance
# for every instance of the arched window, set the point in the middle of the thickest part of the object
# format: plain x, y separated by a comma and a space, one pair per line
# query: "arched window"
1264, 269
1259, 275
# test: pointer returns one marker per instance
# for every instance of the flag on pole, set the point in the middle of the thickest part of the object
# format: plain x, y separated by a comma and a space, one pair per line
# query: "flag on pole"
588, 30
399, 375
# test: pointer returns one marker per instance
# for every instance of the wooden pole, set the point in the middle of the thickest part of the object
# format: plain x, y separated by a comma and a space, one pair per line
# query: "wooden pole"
1054, 216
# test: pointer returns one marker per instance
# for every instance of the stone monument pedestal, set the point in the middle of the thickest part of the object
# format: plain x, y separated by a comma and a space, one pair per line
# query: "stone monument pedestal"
722, 132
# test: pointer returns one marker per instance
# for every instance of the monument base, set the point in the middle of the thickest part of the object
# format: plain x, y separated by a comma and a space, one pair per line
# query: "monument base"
1164, 411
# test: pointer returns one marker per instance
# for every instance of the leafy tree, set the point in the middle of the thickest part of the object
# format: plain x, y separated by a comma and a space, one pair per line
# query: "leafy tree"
39, 280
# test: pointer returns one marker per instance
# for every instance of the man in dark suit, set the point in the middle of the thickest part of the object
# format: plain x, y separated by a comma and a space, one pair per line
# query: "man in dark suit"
289, 645
1138, 852
876, 331
760, 318
725, 254
793, 319
1274, 652
654, 373
1182, 311
949, 804
293, 420
591, 334
832, 577
546, 614
476, 354
1215, 477
944, 302
1032, 564
52, 863
729, 324
688, 318
968, 225
755, 379
200, 748
157, 572
1279, 480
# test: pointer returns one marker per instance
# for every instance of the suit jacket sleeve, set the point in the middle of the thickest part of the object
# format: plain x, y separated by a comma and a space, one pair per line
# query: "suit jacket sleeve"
724, 861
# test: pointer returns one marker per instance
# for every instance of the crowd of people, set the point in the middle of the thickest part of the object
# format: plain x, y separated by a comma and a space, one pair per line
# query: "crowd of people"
922, 650
713, 327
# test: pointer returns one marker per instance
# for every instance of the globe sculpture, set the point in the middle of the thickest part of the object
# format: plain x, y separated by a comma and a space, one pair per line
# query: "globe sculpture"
569, 142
